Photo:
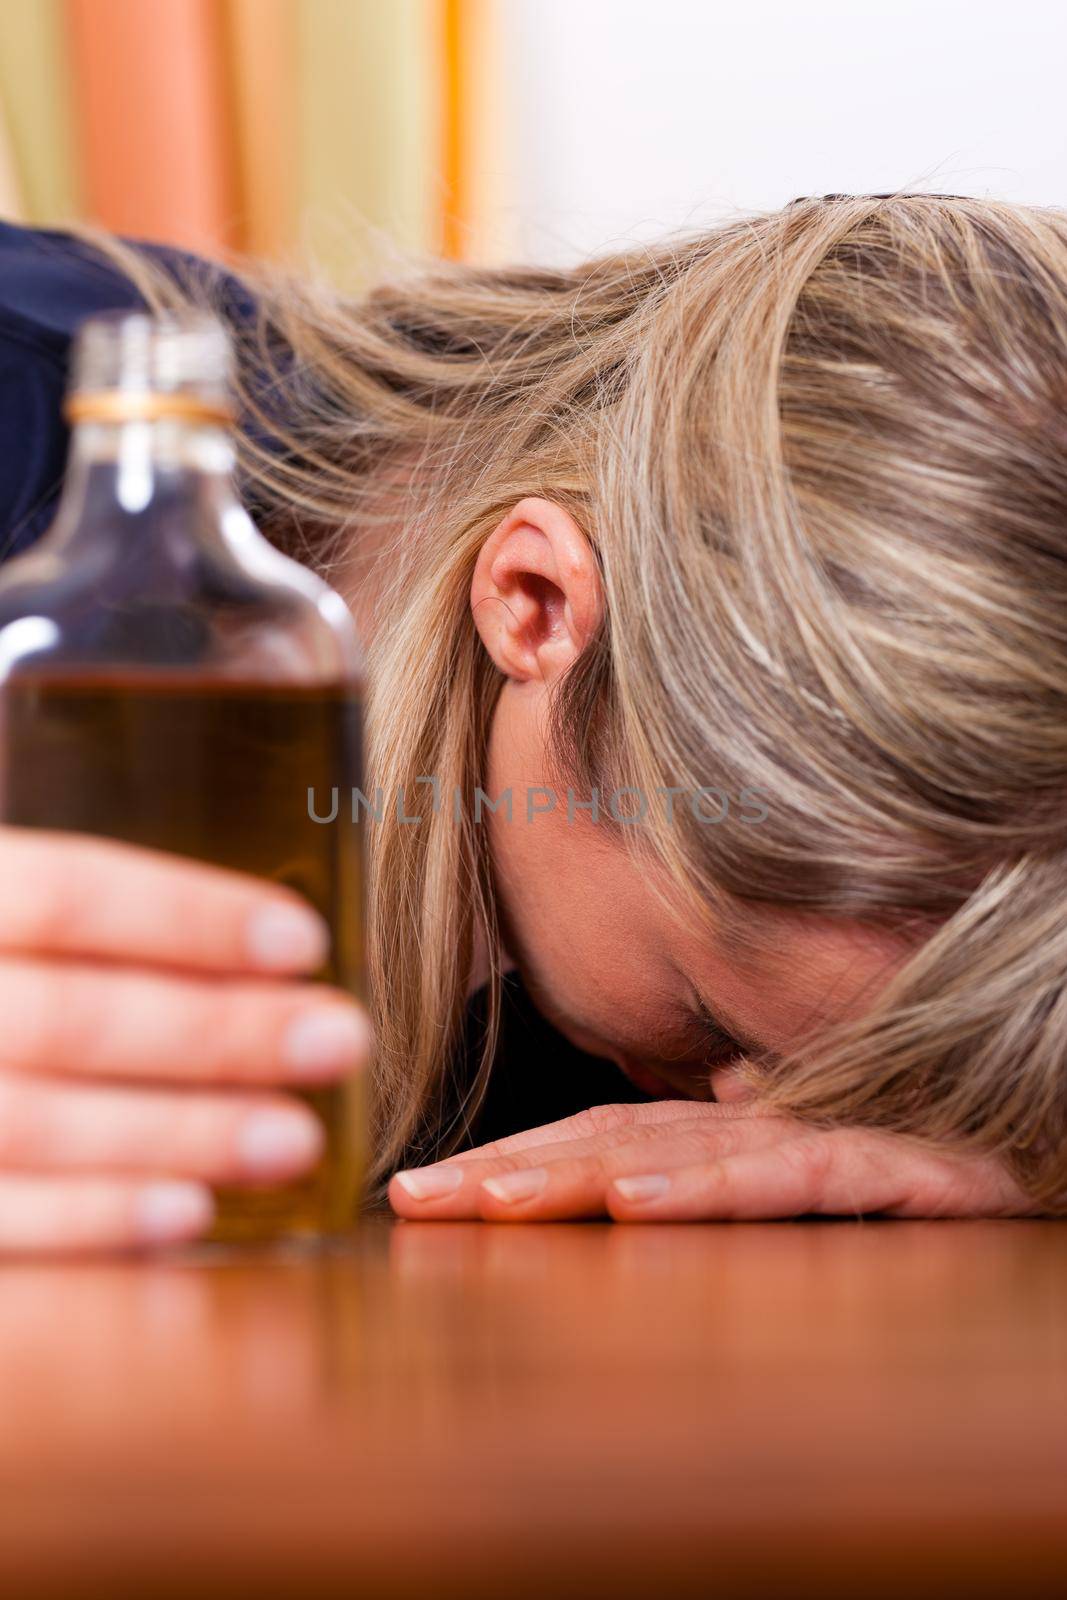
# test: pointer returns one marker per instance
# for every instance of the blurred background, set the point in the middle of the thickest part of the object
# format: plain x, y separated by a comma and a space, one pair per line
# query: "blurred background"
314, 131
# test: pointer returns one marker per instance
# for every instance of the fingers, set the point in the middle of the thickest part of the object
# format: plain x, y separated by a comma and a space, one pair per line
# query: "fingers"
75, 1215
592, 1122
110, 1164
704, 1163
215, 1138
95, 1021
792, 1179
74, 895
569, 1177
838, 1173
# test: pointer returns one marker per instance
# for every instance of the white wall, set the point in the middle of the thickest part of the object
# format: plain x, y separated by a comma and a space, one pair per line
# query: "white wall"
628, 117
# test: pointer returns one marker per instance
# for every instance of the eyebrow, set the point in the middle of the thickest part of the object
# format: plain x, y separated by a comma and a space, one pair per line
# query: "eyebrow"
750, 1045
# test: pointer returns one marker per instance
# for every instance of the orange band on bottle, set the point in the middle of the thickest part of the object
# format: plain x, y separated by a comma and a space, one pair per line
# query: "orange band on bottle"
116, 405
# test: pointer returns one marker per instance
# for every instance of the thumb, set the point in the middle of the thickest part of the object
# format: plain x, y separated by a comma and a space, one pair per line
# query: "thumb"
729, 1086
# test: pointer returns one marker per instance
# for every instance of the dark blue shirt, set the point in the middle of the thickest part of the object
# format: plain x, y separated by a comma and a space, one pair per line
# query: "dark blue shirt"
49, 283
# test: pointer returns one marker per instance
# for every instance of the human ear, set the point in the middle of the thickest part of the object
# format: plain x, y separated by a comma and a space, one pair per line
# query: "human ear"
535, 596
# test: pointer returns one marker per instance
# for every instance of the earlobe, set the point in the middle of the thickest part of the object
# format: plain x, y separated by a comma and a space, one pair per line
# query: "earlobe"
535, 596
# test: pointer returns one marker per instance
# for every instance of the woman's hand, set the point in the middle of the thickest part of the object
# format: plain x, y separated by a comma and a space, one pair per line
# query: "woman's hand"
150, 1016
690, 1161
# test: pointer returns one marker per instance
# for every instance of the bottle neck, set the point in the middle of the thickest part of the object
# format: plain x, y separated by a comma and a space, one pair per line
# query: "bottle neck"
124, 471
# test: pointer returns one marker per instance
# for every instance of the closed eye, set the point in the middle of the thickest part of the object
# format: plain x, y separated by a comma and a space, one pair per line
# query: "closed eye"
722, 1042
718, 1043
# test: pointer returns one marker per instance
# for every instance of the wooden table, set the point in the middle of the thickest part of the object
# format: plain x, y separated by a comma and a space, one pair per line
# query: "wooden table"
469, 1410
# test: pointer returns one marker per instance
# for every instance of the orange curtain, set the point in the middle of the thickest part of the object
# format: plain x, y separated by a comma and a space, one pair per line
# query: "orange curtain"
152, 121
300, 130
454, 166
262, 50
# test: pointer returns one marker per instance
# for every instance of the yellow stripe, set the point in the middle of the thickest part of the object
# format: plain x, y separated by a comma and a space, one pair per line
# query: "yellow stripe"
12, 208
35, 88
368, 122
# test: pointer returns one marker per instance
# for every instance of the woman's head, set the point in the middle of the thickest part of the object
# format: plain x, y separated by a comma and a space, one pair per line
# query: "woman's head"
611, 951
812, 468
830, 515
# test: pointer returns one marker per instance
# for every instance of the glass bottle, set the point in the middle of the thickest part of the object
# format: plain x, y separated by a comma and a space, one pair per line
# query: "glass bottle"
168, 678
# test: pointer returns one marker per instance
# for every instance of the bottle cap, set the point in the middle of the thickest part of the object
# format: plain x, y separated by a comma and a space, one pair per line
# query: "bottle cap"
141, 366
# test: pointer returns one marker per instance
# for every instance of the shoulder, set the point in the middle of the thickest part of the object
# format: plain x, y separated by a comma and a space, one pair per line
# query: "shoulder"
49, 283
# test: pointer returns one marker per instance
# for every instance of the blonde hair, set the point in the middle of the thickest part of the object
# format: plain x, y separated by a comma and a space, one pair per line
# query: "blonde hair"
821, 457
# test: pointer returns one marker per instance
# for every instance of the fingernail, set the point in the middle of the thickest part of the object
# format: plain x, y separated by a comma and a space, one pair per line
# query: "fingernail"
326, 1041
648, 1186
167, 1211
276, 1144
287, 938
513, 1186
430, 1183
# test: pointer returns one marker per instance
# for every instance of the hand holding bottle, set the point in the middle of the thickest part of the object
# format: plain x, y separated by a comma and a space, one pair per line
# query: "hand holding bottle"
170, 682
154, 1014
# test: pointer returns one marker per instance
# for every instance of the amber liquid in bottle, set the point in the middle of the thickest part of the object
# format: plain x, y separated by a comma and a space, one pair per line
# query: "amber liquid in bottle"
169, 680
221, 774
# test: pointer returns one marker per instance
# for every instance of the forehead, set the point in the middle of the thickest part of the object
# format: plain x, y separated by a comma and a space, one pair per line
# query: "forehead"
784, 975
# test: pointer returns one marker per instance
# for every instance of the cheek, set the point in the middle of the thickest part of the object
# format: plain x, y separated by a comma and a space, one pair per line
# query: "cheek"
577, 917
578, 926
